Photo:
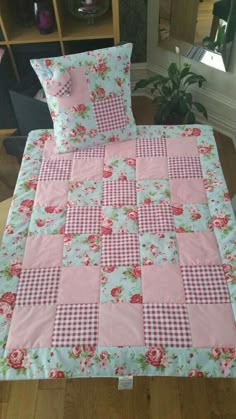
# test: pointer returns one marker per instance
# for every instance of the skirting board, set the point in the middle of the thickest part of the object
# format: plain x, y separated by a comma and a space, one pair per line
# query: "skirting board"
221, 110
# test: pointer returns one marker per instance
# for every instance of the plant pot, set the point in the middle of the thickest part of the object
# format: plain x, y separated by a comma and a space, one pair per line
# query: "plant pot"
173, 119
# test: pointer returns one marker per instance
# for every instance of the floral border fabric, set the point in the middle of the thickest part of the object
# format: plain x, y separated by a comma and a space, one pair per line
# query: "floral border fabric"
87, 360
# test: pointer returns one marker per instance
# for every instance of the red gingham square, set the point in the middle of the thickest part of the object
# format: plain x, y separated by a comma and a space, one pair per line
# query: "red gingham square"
167, 325
120, 250
151, 147
83, 220
110, 114
55, 170
184, 167
119, 192
205, 285
64, 90
38, 286
154, 218
75, 324
90, 153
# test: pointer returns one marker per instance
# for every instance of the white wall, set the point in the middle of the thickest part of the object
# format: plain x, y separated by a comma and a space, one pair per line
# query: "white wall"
218, 95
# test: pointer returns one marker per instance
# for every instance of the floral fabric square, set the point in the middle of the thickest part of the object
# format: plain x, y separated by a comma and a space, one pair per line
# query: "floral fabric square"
191, 218
121, 284
158, 248
119, 220
153, 191
81, 250
119, 169
86, 193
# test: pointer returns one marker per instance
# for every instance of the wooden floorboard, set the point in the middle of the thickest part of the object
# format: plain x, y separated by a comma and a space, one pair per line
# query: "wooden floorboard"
99, 398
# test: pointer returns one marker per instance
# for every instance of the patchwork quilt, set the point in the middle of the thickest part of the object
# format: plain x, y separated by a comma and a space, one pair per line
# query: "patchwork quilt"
120, 260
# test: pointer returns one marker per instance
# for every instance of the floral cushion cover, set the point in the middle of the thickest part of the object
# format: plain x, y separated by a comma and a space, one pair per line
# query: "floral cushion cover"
120, 260
89, 97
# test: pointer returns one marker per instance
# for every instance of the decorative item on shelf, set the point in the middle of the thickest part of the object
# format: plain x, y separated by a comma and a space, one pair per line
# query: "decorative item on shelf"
174, 103
24, 11
88, 9
1, 53
44, 16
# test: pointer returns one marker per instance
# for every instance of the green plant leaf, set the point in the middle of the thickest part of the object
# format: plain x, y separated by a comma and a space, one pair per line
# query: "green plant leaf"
184, 72
183, 105
174, 75
167, 91
193, 79
189, 99
190, 118
201, 109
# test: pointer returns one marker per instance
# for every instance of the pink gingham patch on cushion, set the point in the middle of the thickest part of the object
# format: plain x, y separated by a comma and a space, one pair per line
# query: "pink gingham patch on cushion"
75, 324
205, 284
60, 85
110, 114
166, 324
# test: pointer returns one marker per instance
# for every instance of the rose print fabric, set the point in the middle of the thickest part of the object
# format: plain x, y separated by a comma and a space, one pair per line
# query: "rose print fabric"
108, 246
89, 98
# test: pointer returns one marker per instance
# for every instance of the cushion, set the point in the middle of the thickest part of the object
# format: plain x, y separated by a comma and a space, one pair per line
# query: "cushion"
89, 97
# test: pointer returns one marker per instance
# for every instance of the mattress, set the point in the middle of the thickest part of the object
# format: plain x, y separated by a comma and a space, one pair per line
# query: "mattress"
120, 260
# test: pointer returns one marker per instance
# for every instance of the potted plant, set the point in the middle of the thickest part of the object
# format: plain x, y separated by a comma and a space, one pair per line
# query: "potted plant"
174, 102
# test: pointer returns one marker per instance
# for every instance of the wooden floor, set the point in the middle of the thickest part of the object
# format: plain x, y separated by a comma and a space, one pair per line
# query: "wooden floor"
98, 398
204, 20
151, 398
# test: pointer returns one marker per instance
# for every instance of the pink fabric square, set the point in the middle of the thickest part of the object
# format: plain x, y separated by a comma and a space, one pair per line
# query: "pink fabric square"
79, 285
31, 327
79, 89
188, 191
51, 193
49, 152
43, 251
152, 168
212, 325
123, 149
199, 248
162, 284
185, 146
121, 325
87, 169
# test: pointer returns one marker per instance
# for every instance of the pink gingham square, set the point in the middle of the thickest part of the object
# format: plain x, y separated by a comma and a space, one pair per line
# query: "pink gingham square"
38, 286
205, 284
120, 250
184, 167
110, 114
154, 218
75, 324
166, 324
55, 170
119, 192
151, 147
82, 220
95, 152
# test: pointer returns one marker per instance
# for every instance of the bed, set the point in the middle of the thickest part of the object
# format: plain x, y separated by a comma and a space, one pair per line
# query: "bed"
120, 260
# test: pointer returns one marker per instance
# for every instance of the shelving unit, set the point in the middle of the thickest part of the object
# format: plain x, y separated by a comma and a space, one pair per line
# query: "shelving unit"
66, 29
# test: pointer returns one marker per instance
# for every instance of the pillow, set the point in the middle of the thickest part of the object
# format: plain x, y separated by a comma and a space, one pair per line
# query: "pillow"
89, 97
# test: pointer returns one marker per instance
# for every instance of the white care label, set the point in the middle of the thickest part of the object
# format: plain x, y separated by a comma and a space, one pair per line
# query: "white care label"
126, 382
